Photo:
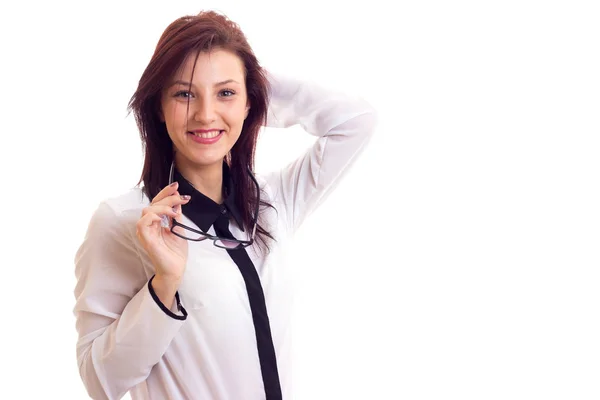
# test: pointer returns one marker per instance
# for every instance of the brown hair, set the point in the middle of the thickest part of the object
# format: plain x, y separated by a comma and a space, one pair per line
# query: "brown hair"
187, 35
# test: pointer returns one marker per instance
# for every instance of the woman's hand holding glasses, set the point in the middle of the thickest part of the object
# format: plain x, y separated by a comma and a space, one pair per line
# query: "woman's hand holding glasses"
167, 251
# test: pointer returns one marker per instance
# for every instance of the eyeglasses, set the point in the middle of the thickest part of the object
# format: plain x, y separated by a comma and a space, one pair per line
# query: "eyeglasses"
188, 233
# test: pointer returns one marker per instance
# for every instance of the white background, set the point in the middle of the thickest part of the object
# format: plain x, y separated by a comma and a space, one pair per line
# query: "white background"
459, 260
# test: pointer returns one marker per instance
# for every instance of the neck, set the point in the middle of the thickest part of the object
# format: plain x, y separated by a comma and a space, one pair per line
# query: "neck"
206, 179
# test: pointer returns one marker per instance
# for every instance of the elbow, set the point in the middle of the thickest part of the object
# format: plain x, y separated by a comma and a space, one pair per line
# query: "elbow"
104, 375
100, 379
366, 121
370, 116
90, 375
370, 120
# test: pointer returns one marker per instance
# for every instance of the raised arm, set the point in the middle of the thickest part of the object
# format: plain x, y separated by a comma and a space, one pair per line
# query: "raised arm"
343, 125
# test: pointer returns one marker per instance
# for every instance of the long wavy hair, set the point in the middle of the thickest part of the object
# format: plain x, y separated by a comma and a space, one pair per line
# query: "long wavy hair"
189, 35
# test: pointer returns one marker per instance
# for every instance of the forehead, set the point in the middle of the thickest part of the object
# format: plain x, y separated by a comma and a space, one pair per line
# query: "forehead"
209, 67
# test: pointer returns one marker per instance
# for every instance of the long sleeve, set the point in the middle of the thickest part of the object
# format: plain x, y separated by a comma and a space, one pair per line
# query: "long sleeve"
343, 126
122, 330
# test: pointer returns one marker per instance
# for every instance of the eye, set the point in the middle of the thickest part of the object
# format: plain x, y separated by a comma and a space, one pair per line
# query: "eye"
183, 94
226, 93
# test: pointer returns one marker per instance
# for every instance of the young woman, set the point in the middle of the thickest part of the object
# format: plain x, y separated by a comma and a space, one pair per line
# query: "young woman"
182, 291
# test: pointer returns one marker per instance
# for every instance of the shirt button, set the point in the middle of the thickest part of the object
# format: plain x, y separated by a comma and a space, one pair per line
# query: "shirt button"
223, 210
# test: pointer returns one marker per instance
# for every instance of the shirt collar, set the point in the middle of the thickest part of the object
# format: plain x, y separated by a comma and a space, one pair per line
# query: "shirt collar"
202, 210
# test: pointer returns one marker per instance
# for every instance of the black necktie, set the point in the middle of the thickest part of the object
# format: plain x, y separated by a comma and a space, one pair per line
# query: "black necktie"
264, 341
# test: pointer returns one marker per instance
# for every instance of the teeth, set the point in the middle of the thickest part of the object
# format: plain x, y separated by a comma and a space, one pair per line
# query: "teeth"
207, 135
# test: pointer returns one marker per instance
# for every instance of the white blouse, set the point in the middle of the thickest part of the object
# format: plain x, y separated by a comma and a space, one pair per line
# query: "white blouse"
128, 344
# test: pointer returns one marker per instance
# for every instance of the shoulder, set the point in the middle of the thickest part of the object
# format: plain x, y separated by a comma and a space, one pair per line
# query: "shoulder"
110, 244
119, 213
133, 200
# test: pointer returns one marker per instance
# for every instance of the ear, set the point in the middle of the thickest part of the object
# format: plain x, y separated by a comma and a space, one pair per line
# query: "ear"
247, 110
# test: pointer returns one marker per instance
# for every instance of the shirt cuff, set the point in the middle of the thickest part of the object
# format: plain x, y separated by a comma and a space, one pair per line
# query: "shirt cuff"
170, 313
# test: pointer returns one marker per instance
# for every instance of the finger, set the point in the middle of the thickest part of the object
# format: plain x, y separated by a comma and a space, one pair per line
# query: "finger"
173, 200
160, 210
144, 225
147, 220
166, 191
177, 208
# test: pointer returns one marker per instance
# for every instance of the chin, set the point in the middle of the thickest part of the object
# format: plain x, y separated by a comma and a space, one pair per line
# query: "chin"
205, 160
205, 155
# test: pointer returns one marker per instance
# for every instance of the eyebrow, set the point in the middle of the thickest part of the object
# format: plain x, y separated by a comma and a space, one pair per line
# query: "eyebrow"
180, 82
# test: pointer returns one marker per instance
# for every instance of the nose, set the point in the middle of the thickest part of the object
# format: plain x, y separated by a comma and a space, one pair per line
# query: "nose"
204, 111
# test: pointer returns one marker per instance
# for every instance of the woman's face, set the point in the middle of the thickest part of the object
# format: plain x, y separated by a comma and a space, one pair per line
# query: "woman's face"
218, 105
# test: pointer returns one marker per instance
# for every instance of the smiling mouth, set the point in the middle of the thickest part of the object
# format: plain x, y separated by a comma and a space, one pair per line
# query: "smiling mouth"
206, 135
